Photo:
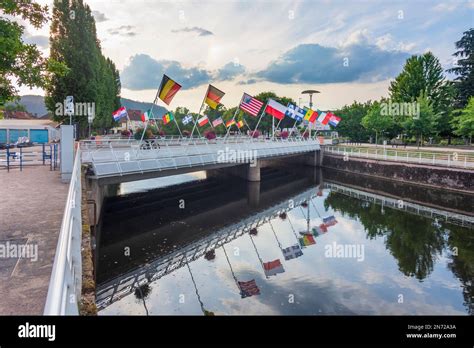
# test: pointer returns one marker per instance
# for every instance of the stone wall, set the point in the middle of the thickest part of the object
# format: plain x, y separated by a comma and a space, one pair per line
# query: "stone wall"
442, 177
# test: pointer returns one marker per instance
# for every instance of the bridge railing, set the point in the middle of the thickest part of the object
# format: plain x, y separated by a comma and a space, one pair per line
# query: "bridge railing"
458, 160
158, 156
66, 278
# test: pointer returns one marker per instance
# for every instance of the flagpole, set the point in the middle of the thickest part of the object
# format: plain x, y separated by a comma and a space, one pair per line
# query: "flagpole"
146, 123
199, 113
233, 118
261, 115
258, 255
231, 270
179, 130
292, 128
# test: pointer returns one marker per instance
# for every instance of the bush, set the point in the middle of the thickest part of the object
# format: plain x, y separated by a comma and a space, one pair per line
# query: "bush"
306, 134
284, 134
209, 135
186, 133
255, 134
149, 134
126, 133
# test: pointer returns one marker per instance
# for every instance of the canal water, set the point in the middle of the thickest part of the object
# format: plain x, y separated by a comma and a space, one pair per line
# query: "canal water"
305, 242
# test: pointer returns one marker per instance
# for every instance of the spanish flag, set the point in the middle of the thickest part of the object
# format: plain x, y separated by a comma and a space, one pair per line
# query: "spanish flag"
213, 96
167, 118
168, 88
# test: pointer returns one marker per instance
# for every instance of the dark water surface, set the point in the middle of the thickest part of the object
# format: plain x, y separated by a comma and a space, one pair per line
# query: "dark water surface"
413, 257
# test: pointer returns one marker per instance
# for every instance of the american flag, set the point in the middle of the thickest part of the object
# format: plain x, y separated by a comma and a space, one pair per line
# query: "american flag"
250, 104
249, 288
217, 122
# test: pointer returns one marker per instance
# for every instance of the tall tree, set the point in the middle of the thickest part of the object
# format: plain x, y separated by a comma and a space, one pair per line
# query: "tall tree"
377, 122
351, 125
464, 69
464, 122
20, 61
424, 124
92, 77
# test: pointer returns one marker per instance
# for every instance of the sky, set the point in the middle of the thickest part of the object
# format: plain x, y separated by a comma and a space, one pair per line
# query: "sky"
348, 49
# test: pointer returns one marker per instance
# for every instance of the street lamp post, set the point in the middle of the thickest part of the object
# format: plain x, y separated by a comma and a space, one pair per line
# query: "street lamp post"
310, 92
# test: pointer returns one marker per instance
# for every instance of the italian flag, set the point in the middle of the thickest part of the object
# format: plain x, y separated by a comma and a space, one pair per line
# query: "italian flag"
324, 117
146, 116
203, 121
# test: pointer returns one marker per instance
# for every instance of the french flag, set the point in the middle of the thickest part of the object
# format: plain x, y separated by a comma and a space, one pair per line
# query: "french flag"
275, 109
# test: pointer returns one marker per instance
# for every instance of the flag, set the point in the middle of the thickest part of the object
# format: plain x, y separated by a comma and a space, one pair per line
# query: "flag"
118, 114
275, 109
323, 228
240, 124
249, 288
147, 115
168, 117
317, 231
329, 221
187, 119
203, 121
230, 123
292, 252
307, 240
334, 120
250, 105
310, 115
213, 96
217, 122
168, 88
273, 267
295, 112
324, 117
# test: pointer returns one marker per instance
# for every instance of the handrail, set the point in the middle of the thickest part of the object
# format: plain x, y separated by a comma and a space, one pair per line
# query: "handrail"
66, 277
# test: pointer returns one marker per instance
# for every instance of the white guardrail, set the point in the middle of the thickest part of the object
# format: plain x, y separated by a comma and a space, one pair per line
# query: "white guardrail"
458, 160
66, 278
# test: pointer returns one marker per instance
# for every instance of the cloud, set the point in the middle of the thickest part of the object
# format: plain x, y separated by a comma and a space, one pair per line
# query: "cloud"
144, 72
247, 82
229, 71
355, 61
124, 30
38, 40
99, 16
197, 30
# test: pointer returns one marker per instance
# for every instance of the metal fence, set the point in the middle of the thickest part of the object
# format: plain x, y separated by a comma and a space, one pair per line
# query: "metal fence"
454, 159
44, 154
126, 157
66, 278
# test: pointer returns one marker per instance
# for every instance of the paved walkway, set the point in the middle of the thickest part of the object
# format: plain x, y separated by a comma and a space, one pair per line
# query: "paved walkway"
413, 148
31, 210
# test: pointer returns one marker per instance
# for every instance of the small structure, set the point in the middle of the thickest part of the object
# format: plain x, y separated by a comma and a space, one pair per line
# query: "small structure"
134, 121
37, 130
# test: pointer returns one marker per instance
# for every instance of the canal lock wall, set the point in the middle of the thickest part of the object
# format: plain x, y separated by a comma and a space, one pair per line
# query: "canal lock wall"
457, 179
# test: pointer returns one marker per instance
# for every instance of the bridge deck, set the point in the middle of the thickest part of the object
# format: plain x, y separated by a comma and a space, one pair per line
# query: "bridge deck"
119, 158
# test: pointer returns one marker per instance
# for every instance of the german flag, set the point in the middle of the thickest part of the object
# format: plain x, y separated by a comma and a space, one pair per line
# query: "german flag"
168, 88
213, 96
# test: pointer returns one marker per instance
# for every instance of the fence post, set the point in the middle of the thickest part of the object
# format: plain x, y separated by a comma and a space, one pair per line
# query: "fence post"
419, 158
449, 160
21, 159
465, 161
8, 158
44, 154
433, 159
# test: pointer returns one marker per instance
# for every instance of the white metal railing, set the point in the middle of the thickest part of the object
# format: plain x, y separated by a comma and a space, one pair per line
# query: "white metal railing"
161, 155
66, 278
458, 160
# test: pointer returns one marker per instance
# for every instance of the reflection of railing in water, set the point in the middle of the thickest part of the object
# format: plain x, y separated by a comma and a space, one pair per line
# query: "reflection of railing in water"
399, 204
124, 285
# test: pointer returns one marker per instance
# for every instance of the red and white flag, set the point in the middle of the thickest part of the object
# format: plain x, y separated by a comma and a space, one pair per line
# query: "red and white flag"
203, 121
273, 267
275, 109
250, 105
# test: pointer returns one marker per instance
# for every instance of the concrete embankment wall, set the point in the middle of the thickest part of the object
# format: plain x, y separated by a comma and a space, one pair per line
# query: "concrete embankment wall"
440, 177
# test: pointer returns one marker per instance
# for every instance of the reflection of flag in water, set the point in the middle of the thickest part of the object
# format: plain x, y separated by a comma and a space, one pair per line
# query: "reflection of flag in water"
323, 228
292, 252
329, 221
307, 240
249, 288
273, 268
319, 230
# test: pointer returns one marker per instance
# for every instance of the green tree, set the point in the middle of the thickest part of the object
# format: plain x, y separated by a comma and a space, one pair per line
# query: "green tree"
377, 122
423, 75
92, 77
351, 126
424, 124
464, 69
463, 123
18, 60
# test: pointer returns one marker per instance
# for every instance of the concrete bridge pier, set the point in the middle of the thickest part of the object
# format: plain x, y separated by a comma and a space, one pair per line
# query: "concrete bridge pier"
253, 194
314, 159
247, 171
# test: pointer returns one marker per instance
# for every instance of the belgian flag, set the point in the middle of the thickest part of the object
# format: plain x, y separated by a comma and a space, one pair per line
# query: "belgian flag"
168, 88
213, 96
